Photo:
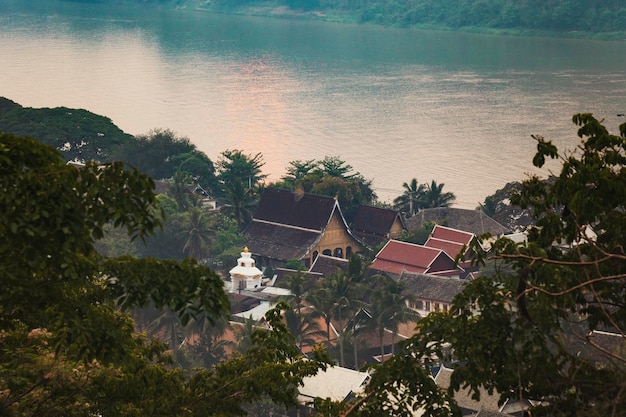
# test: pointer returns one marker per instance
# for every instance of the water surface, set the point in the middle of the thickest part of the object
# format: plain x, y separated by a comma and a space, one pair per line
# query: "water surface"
394, 103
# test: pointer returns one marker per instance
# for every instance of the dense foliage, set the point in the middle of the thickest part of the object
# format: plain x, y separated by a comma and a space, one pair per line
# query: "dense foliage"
548, 326
68, 345
596, 16
78, 134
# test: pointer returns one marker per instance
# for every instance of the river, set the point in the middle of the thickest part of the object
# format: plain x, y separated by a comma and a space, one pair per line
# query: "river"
395, 104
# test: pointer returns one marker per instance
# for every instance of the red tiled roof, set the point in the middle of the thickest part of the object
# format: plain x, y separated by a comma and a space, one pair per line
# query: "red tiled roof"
396, 257
452, 249
452, 235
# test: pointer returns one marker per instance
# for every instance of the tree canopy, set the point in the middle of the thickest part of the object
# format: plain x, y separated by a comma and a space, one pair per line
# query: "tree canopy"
68, 345
549, 324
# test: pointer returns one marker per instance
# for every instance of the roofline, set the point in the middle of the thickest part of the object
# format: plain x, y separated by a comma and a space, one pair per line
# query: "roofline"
304, 229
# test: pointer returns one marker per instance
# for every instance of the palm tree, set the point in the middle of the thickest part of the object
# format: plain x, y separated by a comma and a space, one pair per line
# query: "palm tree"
347, 288
435, 197
412, 199
180, 190
295, 283
168, 327
390, 308
239, 201
303, 327
244, 335
322, 300
198, 229
205, 339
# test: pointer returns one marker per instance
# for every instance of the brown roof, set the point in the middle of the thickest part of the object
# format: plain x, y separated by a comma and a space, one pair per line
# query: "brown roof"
310, 211
283, 275
373, 224
325, 264
396, 257
432, 287
287, 225
374, 220
472, 221
279, 242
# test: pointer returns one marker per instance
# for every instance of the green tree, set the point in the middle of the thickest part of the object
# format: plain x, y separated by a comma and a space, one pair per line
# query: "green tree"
155, 153
68, 346
200, 167
78, 134
390, 308
234, 166
412, 199
198, 229
239, 202
181, 190
434, 196
62, 301
297, 171
529, 330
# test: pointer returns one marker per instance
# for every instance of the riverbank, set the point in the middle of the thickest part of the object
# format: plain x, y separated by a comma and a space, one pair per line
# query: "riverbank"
273, 10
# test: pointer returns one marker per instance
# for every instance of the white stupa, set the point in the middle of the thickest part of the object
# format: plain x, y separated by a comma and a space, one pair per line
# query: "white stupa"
245, 276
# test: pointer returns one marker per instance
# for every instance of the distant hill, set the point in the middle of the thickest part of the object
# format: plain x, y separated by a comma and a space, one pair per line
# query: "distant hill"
571, 17
78, 134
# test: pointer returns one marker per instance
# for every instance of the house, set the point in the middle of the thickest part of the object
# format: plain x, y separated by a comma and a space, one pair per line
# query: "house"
472, 221
397, 257
454, 242
335, 383
432, 293
374, 225
296, 225
488, 403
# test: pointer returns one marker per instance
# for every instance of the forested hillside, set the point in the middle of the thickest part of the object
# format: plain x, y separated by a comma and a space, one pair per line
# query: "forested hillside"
591, 16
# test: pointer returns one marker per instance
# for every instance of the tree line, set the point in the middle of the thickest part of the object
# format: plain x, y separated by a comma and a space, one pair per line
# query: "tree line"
597, 16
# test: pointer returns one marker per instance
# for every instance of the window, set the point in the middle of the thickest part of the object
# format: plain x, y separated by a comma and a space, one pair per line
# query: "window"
327, 252
427, 306
437, 307
419, 305
338, 253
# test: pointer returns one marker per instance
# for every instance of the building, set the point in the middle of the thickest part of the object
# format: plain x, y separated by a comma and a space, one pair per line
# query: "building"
431, 292
472, 221
374, 225
296, 225
397, 257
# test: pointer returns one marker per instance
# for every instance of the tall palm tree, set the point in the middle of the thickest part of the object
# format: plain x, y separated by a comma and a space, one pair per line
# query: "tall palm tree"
435, 197
205, 339
198, 230
180, 190
390, 307
239, 201
347, 288
303, 327
167, 327
412, 199
322, 300
244, 335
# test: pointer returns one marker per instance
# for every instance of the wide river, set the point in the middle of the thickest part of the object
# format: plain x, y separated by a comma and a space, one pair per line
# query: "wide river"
394, 103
